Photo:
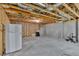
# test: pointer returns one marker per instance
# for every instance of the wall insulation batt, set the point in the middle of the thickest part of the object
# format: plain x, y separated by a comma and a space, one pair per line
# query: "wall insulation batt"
13, 37
60, 30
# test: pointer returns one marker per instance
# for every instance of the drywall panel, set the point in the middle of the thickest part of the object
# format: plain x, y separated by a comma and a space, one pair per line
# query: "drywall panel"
13, 37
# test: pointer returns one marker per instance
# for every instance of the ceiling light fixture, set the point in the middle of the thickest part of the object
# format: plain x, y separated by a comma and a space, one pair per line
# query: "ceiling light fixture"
36, 20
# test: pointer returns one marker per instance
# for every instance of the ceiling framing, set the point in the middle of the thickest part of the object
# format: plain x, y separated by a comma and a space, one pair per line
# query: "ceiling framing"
44, 12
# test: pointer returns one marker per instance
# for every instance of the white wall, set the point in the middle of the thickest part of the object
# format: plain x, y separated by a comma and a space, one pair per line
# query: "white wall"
43, 31
13, 37
60, 30
55, 30
69, 27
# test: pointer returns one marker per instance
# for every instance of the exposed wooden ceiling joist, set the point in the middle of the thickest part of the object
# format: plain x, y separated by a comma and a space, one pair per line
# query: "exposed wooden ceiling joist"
66, 15
67, 11
71, 10
55, 14
77, 5
31, 21
14, 7
30, 13
33, 6
62, 13
59, 12
26, 11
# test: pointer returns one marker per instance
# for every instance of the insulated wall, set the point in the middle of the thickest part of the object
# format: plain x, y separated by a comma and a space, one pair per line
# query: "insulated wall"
55, 30
60, 30
13, 37
43, 30
69, 28
28, 29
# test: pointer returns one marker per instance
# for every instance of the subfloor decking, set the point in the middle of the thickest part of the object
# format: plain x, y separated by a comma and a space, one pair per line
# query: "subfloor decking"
46, 46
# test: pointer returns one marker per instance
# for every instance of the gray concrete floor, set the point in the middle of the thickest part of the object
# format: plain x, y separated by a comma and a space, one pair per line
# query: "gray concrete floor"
46, 46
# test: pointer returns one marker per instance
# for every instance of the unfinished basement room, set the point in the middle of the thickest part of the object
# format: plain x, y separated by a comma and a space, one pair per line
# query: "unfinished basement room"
39, 29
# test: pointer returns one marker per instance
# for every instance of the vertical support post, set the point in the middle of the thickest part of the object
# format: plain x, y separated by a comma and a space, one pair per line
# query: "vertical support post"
63, 29
45, 32
1, 40
39, 25
3, 20
77, 29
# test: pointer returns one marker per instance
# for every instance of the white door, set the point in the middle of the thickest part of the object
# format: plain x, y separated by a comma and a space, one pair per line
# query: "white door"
13, 37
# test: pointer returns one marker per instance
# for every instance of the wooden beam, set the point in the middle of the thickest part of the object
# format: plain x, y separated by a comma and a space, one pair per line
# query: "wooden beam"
30, 13
3, 20
71, 10
31, 20
65, 14
40, 16
62, 12
33, 13
1, 40
56, 9
77, 5
42, 10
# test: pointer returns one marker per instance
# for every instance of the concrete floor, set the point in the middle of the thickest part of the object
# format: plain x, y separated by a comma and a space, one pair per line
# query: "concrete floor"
46, 46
